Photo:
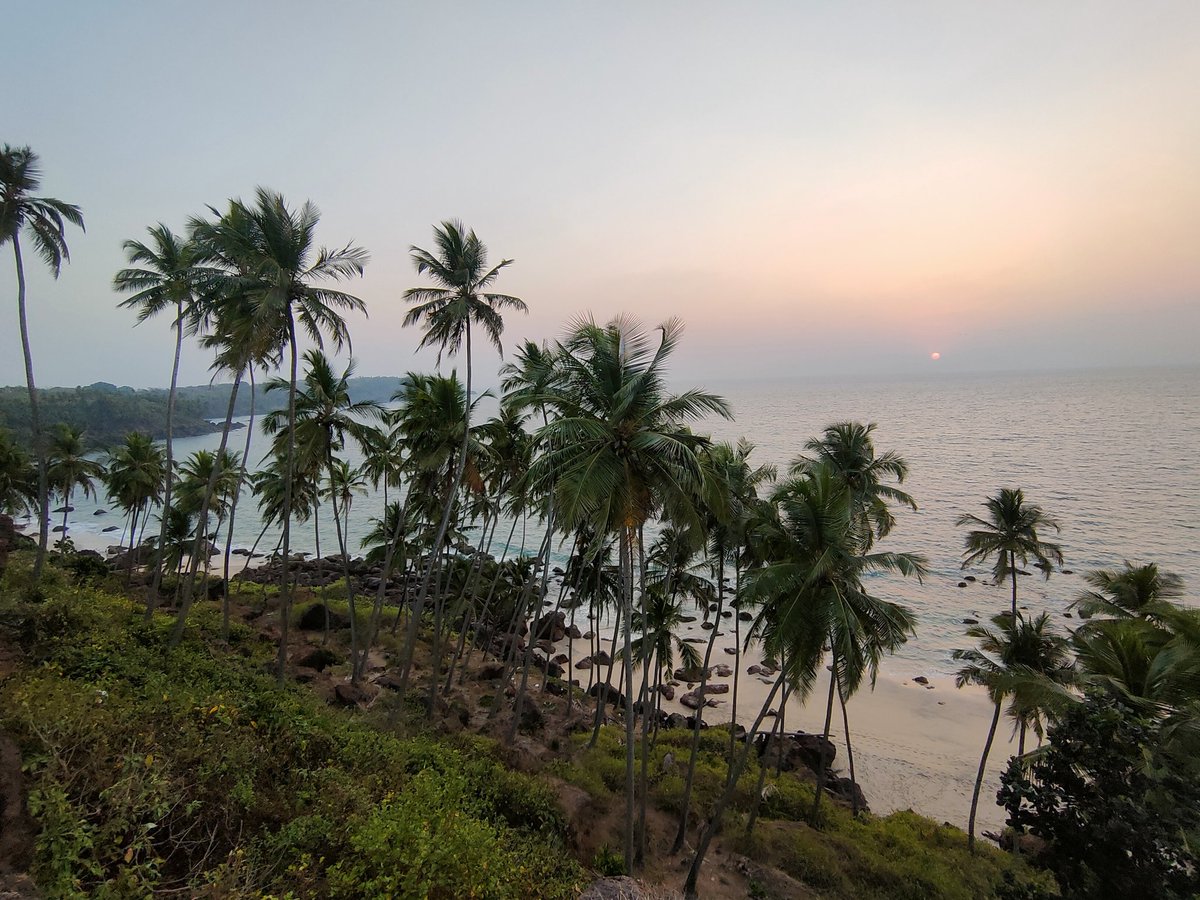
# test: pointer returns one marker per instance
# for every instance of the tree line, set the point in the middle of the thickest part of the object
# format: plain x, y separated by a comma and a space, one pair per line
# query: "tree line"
590, 449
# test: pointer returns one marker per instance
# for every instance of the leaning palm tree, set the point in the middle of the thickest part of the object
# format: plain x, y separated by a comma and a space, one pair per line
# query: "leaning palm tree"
1022, 661
617, 448
41, 218
1010, 533
18, 478
269, 254
70, 468
446, 310
163, 274
1128, 593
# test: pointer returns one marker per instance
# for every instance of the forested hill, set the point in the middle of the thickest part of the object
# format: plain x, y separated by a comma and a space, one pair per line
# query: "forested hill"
108, 412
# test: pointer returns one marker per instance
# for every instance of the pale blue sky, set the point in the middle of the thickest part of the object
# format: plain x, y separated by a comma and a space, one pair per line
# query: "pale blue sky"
815, 188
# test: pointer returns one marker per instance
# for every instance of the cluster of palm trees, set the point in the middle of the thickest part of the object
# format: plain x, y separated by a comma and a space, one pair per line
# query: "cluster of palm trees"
1135, 644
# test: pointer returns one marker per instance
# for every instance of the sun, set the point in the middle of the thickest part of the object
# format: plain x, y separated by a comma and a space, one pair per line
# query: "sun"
935, 356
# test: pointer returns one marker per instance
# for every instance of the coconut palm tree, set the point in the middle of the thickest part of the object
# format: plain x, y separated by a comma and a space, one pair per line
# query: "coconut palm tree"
69, 467
41, 218
269, 253
849, 450
1131, 592
1010, 533
325, 415
1024, 662
446, 310
135, 475
18, 478
163, 274
617, 448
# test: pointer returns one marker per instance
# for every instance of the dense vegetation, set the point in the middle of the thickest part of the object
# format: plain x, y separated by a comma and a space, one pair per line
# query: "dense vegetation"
590, 451
106, 413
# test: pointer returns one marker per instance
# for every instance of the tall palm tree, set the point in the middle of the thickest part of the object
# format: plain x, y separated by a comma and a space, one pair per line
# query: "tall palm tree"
163, 274
136, 472
69, 467
324, 416
1023, 661
18, 478
446, 310
41, 218
619, 447
1010, 533
269, 253
1128, 593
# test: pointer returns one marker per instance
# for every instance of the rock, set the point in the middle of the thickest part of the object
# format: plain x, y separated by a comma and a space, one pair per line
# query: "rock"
557, 570
615, 697
551, 626
349, 694
1068, 572
970, 621
687, 618
389, 680
667, 691
562, 659
847, 790
727, 615
620, 887
318, 659
313, 619
100, 512
573, 632
732, 651
921, 679
108, 529
489, 671
745, 617
722, 671
588, 635
585, 663
302, 675
692, 700
668, 762
707, 626
969, 578
677, 720
56, 529
713, 689
687, 674
1067, 615
962, 584
695, 640
545, 646
602, 659
754, 670
65, 509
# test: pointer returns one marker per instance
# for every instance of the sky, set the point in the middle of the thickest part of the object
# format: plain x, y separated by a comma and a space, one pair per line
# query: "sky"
815, 188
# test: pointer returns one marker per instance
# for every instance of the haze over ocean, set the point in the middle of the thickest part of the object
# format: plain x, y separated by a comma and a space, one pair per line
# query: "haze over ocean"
1113, 455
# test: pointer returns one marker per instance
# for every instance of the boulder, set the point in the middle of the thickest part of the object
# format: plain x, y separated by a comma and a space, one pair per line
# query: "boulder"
389, 680
667, 691
692, 700
585, 663
921, 679
562, 659
732, 651
348, 694
602, 659
848, 791
722, 671
318, 659
551, 626
573, 632
489, 671
100, 512
313, 619
745, 617
614, 697
713, 689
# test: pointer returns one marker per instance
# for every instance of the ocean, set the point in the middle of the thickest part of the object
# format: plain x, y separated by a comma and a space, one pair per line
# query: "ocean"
1112, 455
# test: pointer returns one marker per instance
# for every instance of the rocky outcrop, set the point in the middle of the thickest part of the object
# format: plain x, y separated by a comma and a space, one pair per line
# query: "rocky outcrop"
620, 887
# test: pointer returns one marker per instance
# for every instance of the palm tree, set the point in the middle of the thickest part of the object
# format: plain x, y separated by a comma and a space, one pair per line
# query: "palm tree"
446, 311
69, 467
617, 449
324, 415
849, 450
18, 478
136, 472
42, 219
1010, 533
269, 254
1131, 592
1022, 661
164, 274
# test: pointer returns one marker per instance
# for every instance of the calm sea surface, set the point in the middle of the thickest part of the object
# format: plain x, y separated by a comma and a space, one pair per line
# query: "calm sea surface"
1113, 456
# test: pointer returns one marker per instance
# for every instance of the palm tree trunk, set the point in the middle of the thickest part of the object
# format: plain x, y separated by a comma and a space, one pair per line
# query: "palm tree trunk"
237, 493
849, 752
764, 765
681, 833
627, 666
544, 560
714, 824
606, 686
737, 645
822, 768
987, 748
1013, 573
35, 418
133, 516
385, 575
451, 498
66, 506
202, 520
341, 538
169, 481
285, 598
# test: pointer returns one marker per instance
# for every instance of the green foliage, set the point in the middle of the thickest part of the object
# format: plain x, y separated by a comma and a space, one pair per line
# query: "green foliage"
189, 769
608, 861
1120, 816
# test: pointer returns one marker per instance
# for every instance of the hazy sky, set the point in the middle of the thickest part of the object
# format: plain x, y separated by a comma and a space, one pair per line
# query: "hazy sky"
815, 188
